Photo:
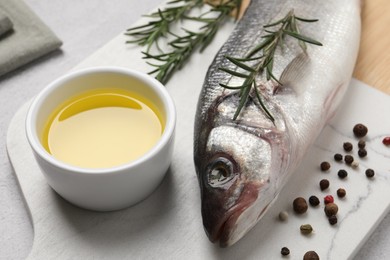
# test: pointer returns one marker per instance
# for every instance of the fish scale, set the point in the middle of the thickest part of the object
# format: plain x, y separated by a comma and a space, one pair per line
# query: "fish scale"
243, 164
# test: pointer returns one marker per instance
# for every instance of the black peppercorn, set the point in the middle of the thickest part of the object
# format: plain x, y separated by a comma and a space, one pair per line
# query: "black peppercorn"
311, 255
347, 146
362, 144
342, 174
338, 157
332, 220
341, 193
300, 205
370, 173
314, 201
285, 251
325, 166
360, 130
324, 184
362, 152
348, 159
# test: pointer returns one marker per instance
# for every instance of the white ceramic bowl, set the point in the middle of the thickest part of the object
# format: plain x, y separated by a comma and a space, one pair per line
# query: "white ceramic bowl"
112, 188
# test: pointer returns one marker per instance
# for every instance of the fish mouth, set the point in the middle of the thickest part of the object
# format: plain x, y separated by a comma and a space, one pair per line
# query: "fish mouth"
224, 228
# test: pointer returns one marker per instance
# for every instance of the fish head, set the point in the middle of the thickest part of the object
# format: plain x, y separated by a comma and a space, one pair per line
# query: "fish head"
234, 173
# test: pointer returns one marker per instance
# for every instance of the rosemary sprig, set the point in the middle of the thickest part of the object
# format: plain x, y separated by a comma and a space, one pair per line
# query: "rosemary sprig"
264, 63
182, 46
149, 34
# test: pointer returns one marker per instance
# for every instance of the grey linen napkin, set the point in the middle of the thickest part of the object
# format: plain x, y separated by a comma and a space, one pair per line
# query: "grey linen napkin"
5, 23
29, 39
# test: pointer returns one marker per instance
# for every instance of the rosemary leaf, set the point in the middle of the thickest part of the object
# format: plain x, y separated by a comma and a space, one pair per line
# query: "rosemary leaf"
302, 38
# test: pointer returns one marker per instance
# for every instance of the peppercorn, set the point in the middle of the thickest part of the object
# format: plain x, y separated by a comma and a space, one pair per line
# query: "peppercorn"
338, 157
341, 193
283, 215
362, 144
362, 152
314, 201
332, 220
386, 141
306, 229
311, 255
370, 173
285, 251
348, 159
342, 174
355, 164
360, 130
328, 199
324, 184
300, 205
331, 209
325, 166
347, 146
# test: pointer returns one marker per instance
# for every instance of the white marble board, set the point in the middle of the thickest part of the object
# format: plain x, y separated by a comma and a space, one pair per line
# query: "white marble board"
167, 225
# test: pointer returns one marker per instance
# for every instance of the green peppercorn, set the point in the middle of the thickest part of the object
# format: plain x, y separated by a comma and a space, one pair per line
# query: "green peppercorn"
362, 152
311, 255
341, 193
360, 130
300, 205
331, 209
332, 220
325, 166
285, 251
342, 174
347, 146
348, 159
324, 184
362, 144
370, 173
314, 201
338, 157
306, 229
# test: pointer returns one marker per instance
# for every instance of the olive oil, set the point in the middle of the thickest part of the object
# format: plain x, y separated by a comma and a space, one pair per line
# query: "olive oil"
102, 128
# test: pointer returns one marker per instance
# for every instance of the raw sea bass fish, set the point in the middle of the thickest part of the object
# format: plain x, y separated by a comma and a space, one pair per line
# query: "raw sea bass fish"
243, 164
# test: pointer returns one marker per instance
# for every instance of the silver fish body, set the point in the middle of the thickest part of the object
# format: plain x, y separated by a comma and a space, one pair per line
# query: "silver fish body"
243, 164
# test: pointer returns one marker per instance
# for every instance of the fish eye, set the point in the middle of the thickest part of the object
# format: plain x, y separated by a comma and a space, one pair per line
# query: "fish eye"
220, 172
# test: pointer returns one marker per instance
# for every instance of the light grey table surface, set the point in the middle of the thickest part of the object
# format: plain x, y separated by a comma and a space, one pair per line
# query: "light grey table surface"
84, 26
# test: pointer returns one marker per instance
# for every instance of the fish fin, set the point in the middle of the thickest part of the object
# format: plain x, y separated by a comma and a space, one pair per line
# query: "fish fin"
294, 73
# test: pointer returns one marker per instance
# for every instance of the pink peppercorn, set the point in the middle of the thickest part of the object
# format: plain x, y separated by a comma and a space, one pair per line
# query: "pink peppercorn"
386, 140
328, 199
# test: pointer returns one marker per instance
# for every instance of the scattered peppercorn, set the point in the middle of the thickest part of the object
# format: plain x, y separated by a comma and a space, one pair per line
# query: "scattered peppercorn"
283, 215
311, 255
314, 201
324, 184
332, 220
362, 144
325, 166
360, 130
355, 164
362, 152
338, 157
306, 229
300, 205
331, 209
285, 251
347, 146
370, 173
386, 141
348, 159
328, 199
342, 174
341, 193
